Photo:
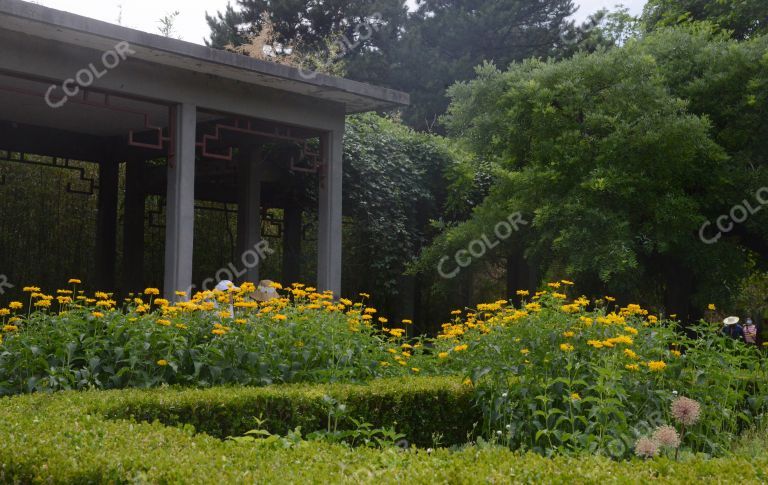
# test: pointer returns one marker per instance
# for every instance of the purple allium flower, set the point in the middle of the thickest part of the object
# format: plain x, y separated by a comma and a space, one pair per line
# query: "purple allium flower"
686, 411
646, 448
666, 436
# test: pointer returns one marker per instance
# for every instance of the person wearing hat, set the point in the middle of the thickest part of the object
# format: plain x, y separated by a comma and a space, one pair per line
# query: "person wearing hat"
732, 328
226, 286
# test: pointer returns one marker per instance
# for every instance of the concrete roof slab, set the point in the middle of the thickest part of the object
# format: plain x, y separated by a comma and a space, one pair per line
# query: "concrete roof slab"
67, 28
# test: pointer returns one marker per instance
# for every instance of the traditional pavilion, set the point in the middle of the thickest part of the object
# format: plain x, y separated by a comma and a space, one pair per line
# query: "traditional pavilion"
75, 88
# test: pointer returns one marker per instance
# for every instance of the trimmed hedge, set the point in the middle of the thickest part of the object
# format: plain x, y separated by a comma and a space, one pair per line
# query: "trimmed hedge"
420, 408
66, 438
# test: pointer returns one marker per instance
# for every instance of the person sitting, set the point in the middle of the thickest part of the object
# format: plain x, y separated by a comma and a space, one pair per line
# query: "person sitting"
732, 328
265, 291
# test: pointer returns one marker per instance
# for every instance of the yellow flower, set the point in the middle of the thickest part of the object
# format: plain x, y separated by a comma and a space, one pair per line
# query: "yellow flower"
162, 362
280, 317
460, 348
711, 307
631, 330
533, 307
407, 322
74, 281
43, 303
218, 331
151, 291
456, 312
568, 334
392, 351
566, 347
97, 315
181, 326
575, 396
383, 320
15, 305
31, 289
523, 292
567, 282
632, 367
610, 298
10, 328
4, 312
384, 364
442, 355
595, 343
370, 310
629, 353
554, 285
181, 293
164, 323
656, 365
525, 351
415, 369
676, 353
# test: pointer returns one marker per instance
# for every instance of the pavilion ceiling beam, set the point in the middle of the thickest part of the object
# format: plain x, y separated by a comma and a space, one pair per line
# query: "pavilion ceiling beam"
51, 142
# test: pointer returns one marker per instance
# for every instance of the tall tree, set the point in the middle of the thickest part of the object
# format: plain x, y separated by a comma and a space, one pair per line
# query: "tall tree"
310, 24
744, 18
447, 39
422, 52
619, 158
225, 28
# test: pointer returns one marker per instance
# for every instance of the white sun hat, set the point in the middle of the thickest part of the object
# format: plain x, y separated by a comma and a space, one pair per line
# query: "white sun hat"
225, 285
730, 321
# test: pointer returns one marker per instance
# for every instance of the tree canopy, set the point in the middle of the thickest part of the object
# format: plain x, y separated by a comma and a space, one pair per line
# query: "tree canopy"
618, 158
743, 18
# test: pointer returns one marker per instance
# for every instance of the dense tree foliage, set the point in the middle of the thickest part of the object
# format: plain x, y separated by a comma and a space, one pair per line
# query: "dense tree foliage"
393, 186
743, 18
424, 52
618, 158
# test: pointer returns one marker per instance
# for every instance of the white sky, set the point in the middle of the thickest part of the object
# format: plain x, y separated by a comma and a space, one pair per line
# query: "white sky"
191, 25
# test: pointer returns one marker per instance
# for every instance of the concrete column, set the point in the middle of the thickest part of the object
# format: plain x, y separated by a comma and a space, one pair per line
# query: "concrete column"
249, 246
292, 232
106, 225
329, 230
133, 228
180, 202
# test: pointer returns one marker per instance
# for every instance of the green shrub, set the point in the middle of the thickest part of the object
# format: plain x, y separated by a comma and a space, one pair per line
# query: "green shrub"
554, 377
420, 408
65, 438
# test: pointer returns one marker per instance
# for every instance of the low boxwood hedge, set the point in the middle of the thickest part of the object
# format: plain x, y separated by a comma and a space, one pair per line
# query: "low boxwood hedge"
421, 408
123, 436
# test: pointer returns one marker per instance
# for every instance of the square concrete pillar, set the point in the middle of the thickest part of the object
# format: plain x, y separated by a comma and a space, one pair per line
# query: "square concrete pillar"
180, 202
329, 230
249, 214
